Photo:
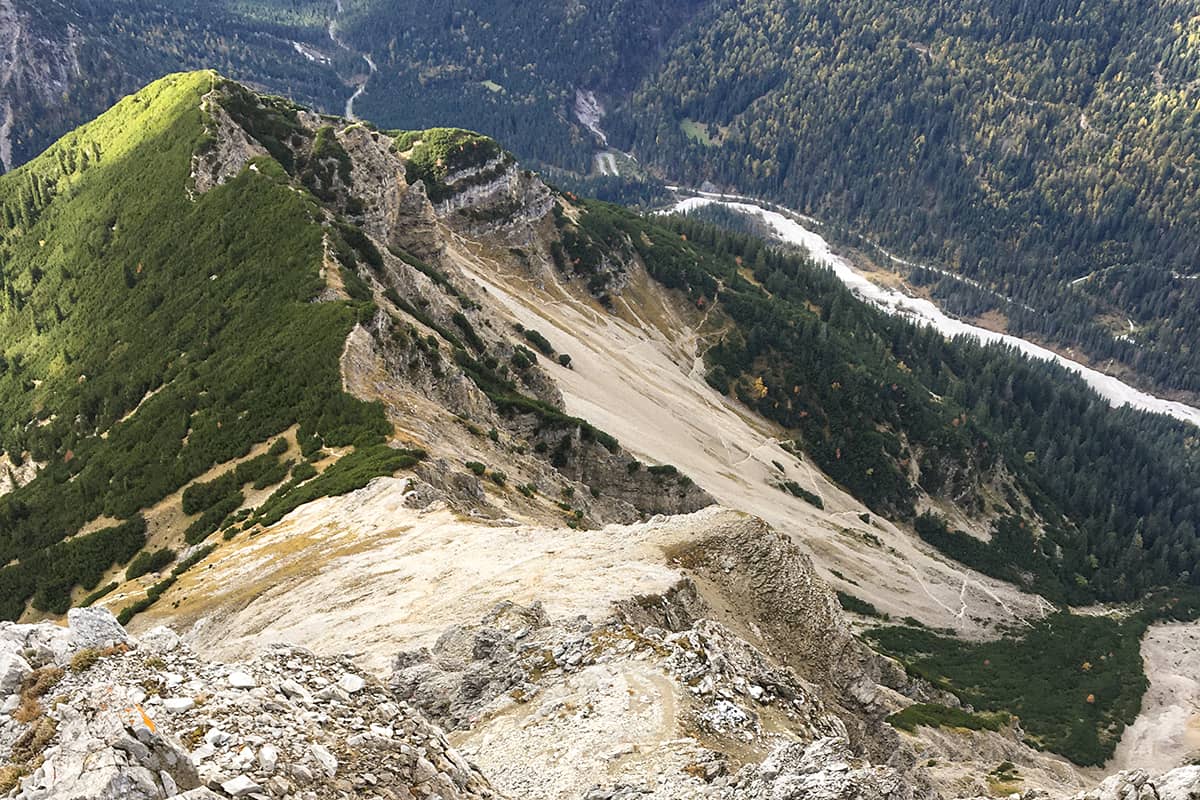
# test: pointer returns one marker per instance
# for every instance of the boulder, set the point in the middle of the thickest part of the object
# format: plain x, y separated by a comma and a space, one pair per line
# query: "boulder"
13, 671
240, 679
160, 640
99, 758
822, 770
96, 628
268, 758
1179, 784
351, 683
177, 705
325, 759
240, 786
43, 643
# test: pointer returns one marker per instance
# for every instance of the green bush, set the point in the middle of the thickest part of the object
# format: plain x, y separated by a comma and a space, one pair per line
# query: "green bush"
522, 359
476, 467
152, 595
103, 591
540, 342
303, 471
274, 475
797, 490
149, 562
468, 331
856, 605
212, 518
939, 716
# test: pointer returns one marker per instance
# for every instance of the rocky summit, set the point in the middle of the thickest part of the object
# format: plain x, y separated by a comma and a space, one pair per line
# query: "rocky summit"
139, 719
96, 714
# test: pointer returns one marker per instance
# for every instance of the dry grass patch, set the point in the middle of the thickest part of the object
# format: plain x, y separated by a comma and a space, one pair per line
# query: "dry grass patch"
33, 688
9, 775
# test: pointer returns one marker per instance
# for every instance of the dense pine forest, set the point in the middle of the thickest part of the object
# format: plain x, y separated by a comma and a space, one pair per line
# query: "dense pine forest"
1046, 150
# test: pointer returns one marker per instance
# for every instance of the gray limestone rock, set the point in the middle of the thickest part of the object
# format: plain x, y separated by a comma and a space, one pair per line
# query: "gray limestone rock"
95, 627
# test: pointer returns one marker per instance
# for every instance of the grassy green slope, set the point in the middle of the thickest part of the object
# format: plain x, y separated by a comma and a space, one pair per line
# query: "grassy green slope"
117, 287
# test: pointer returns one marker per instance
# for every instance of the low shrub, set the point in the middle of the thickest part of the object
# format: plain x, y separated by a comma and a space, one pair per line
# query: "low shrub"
939, 716
796, 490
146, 562
856, 605
540, 342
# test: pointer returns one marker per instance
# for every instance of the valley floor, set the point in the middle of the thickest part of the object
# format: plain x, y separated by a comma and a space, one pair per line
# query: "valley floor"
1113, 390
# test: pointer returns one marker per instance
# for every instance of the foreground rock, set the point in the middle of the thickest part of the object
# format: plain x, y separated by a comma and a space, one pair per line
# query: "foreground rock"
621, 709
141, 723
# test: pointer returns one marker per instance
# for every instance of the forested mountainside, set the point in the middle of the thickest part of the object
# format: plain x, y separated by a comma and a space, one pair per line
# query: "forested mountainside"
130, 290
1045, 150
510, 68
121, 292
218, 307
893, 412
180, 279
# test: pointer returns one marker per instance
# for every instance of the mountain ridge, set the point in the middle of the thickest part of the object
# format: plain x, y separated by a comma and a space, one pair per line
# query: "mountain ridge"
467, 341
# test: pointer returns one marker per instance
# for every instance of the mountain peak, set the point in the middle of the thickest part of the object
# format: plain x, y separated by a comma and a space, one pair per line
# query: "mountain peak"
561, 474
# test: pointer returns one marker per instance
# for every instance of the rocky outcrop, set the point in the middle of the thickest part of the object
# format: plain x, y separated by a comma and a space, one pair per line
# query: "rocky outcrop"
107, 748
822, 770
377, 177
495, 197
226, 151
416, 225
14, 476
149, 720
1178, 784
1182, 783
